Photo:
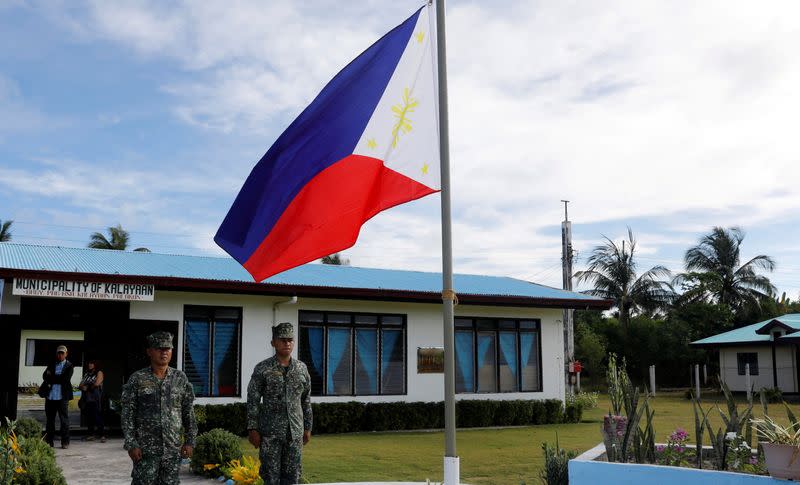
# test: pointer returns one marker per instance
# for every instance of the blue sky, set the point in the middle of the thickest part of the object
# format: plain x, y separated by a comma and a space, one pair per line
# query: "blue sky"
667, 117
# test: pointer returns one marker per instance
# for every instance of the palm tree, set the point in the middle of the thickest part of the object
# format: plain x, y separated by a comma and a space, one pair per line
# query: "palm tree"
714, 273
612, 271
118, 240
5, 231
335, 259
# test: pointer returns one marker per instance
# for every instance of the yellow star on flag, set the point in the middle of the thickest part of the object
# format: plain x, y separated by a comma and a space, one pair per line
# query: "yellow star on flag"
372, 143
419, 36
425, 169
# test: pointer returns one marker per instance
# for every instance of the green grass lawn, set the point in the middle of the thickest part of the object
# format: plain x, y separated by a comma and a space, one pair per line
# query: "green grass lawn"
488, 456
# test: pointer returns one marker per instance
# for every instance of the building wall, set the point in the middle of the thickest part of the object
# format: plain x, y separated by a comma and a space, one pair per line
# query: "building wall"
10, 303
785, 360
33, 374
424, 330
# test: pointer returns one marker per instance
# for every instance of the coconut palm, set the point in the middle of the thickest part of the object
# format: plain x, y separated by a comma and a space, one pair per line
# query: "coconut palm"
612, 271
117, 240
714, 273
5, 231
335, 259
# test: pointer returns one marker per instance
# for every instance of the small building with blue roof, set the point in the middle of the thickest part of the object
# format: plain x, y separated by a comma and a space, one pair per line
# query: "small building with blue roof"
768, 350
365, 334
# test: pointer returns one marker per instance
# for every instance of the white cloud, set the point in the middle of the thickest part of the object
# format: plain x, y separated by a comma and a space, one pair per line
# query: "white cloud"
630, 109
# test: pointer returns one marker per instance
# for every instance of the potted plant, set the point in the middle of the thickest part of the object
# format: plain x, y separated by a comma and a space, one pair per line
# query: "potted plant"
781, 446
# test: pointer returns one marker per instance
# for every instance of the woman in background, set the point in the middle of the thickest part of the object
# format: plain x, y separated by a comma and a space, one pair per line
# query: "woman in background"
92, 388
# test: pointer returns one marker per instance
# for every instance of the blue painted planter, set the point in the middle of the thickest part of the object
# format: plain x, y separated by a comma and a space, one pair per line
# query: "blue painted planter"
584, 470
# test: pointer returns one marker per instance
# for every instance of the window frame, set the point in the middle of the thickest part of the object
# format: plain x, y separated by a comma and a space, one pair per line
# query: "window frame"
742, 360
353, 326
479, 325
209, 311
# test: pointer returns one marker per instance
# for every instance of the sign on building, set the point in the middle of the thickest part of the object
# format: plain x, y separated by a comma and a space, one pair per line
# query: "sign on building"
83, 289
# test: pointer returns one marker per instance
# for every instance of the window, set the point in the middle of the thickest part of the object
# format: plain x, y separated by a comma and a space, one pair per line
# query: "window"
211, 350
353, 354
497, 355
42, 352
743, 358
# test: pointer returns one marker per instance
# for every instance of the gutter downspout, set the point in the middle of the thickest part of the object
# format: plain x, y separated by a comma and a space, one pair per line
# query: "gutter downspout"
290, 301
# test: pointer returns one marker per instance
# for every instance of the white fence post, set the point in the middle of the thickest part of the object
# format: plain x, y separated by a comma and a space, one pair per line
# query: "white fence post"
653, 380
705, 374
697, 379
747, 383
579, 381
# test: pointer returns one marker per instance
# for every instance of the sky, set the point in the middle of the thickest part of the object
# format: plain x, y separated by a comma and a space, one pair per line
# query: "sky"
668, 117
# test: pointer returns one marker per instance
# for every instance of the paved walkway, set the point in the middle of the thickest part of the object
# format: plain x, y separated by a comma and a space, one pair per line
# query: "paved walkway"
95, 463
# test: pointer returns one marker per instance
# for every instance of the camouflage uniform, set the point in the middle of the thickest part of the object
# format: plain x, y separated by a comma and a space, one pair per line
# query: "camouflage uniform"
153, 412
279, 408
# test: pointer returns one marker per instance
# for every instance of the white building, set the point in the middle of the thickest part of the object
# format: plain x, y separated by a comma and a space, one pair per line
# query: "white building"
359, 330
769, 348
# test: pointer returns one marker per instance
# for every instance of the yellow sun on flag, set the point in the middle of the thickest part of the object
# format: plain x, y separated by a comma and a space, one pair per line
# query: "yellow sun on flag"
372, 143
403, 124
419, 36
425, 168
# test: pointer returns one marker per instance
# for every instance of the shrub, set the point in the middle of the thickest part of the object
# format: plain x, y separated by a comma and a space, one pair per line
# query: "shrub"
573, 412
772, 395
39, 462
28, 427
230, 417
556, 462
350, 417
588, 400
215, 447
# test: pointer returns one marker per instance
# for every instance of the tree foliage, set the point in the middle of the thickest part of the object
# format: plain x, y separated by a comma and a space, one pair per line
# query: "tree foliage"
5, 231
714, 272
612, 272
335, 259
117, 240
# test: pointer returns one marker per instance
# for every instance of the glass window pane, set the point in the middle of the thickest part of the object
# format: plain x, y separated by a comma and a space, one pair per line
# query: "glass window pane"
507, 324
465, 362
196, 350
529, 325
339, 318
226, 314
463, 322
529, 358
339, 361
226, 359
310, 317
507, 361
366, 319
392, 362
311, 352
487, 362
486, 324
392, 320
366, 361
196, 313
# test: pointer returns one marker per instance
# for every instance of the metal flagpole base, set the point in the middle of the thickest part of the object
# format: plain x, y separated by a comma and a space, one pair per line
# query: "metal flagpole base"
451, 471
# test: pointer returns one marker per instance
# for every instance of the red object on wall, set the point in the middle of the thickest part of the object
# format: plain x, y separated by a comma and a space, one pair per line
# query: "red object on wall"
578, 366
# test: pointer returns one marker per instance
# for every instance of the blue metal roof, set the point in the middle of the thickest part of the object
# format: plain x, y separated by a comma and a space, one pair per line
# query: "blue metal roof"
15, 256
748, 334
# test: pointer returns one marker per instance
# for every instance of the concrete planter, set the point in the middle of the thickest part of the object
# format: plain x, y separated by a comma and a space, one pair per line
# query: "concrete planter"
783, 461
585, 470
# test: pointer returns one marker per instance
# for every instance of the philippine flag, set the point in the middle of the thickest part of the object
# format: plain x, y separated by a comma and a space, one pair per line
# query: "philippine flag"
368, 142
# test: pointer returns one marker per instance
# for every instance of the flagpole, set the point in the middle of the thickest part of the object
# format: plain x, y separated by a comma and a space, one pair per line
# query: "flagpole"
451, 462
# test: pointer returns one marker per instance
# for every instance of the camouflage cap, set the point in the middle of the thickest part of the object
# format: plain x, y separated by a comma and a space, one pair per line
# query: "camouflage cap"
283, 330
159, 340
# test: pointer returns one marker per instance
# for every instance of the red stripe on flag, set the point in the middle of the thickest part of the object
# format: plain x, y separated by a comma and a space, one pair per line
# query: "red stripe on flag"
327, 214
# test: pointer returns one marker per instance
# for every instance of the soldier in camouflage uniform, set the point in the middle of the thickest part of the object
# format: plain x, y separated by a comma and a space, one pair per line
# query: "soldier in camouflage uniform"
279, 410
156, 402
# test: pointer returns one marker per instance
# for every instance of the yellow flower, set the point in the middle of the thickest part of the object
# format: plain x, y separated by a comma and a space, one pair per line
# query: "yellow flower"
15, 443
245, 471
19, 470
210, 466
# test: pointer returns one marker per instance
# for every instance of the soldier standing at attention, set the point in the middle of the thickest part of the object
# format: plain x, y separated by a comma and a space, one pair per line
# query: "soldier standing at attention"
156, 402
279, 410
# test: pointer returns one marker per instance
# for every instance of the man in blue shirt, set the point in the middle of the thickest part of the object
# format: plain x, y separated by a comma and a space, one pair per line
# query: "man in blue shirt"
59, 376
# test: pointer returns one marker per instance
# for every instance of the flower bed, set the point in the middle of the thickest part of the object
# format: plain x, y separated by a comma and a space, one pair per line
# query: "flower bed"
591, 468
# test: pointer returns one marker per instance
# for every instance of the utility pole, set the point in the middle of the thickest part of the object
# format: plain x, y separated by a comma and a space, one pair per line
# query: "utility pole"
566, 266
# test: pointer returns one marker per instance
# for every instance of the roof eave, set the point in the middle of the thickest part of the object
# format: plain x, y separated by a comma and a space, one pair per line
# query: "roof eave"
254, 288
